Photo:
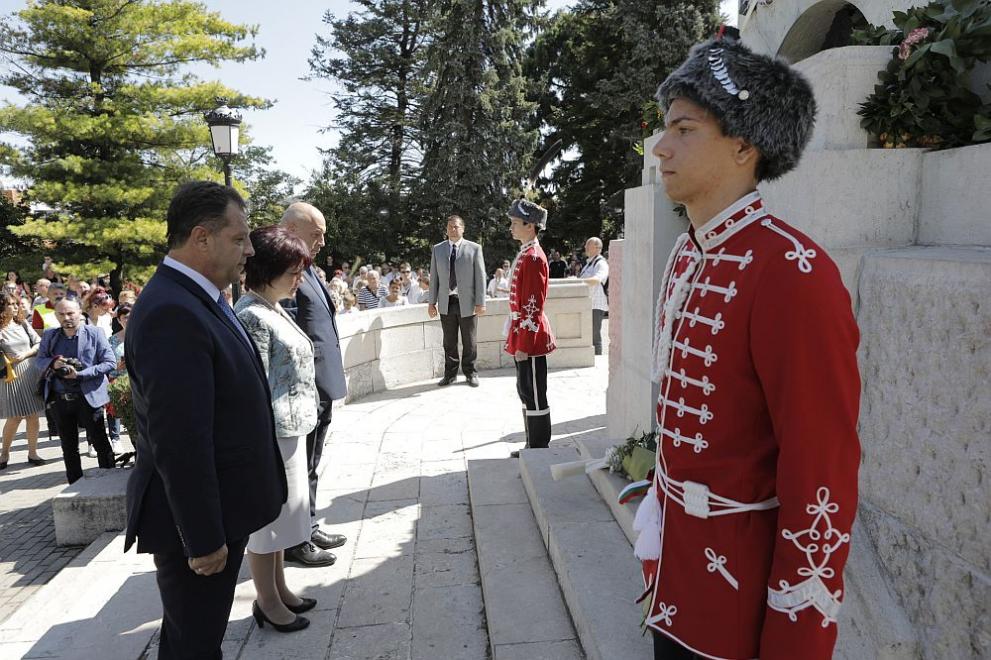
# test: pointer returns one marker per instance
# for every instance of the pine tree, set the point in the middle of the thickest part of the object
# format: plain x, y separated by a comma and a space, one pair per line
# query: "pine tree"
376, 54
596, 69
112, 118
478, 137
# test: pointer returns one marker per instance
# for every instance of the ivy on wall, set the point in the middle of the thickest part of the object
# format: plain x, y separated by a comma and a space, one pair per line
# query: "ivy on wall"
923, 97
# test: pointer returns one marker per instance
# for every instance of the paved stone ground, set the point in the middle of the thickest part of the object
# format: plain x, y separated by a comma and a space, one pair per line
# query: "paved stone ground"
29, 557
406, 585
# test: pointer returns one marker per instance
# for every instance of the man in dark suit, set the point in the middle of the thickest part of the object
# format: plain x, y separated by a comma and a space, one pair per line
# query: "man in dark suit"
208, 469
457, 291
315, 313
77, 397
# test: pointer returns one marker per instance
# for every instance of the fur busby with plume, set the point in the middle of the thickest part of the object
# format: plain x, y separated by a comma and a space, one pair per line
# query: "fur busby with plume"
529, 212
755, 97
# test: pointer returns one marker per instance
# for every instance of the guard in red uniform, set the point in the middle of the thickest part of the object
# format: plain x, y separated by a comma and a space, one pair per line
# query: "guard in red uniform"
746, 528
529, 338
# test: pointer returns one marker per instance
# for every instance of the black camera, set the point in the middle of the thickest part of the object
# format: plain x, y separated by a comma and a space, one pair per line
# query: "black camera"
63, 371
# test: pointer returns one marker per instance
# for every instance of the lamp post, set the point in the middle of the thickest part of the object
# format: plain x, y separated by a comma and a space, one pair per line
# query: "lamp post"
225, 127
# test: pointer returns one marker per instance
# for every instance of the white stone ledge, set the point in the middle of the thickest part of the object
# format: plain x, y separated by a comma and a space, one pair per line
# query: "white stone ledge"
956, 203
853, 198
387, 348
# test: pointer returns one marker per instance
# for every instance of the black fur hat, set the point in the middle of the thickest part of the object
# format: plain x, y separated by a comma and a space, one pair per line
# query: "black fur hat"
758, 98
529, 212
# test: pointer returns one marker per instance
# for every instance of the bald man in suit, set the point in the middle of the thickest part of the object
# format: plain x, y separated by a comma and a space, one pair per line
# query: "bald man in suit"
316, 315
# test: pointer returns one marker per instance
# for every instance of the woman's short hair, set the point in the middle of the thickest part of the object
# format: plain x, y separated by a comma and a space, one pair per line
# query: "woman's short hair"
276, 251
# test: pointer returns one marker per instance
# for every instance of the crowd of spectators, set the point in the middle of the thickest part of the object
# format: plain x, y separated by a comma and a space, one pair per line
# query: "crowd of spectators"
29, 311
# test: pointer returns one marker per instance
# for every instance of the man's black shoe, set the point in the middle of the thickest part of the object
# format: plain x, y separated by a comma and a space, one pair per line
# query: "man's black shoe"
308, 554
446, 380
322, 539
473, 380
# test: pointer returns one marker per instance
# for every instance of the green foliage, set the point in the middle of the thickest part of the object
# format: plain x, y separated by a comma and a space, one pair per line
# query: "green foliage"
923, 97
122, 406
377, 55
112, 120
595, 70
632, 458
477, 132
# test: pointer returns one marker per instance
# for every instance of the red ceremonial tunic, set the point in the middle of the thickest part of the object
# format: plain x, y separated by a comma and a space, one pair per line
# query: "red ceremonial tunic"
528, 329
756, 477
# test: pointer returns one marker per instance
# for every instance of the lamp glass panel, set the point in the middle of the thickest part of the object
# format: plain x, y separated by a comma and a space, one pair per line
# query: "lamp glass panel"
221, 136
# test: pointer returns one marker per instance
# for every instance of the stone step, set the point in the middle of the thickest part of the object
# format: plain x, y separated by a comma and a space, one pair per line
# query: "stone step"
103, 604
594, 561
608, 484
524, 608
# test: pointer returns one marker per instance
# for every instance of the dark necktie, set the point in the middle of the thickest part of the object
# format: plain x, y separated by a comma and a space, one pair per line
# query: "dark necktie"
452, 281
229, 313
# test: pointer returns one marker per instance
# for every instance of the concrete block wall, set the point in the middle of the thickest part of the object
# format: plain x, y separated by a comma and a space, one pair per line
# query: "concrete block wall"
387, 348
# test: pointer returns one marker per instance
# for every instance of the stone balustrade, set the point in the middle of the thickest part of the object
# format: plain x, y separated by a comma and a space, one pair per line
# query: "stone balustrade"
386, 348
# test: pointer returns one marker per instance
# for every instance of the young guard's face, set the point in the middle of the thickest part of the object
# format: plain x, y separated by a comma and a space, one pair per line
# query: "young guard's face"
694, 153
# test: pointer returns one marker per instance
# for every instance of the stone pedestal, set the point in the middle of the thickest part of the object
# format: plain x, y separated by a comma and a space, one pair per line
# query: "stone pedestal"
93, 505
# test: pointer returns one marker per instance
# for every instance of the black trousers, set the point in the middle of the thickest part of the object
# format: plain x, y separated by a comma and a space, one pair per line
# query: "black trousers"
69, 416
666, 648
531, 385
450, 323
195, 608
314, 452
597, 316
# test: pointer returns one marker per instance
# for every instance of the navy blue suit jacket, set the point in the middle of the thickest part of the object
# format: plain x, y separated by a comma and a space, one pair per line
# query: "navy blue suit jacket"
315, 314
208, 467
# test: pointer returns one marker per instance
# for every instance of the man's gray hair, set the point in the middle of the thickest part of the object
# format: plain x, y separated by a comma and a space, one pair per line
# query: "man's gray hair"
596, 241
68, 301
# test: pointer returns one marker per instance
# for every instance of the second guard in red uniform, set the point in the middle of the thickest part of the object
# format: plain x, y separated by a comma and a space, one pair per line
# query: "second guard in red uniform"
529, 338
746, 528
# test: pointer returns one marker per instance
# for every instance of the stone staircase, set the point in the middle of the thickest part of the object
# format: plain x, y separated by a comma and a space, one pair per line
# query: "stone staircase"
558, 574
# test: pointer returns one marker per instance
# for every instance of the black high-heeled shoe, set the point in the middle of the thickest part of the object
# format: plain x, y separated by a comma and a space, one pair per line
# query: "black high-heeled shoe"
298, 623
306, 605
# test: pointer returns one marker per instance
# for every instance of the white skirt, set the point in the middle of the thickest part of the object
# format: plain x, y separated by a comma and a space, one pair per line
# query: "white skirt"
292, 527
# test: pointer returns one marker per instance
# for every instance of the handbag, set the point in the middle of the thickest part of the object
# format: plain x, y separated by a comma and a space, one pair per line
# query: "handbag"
9, 376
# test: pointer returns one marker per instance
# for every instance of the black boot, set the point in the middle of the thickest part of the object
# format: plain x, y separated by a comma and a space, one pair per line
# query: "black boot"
526, 430
538, 431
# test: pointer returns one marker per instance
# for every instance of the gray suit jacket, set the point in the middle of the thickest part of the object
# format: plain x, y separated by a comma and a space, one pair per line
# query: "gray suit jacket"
469, 267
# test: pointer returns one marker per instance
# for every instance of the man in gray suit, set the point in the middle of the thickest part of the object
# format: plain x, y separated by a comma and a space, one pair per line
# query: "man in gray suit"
457, 288
315, 314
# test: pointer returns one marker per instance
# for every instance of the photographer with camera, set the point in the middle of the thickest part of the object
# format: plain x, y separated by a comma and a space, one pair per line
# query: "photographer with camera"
75, 359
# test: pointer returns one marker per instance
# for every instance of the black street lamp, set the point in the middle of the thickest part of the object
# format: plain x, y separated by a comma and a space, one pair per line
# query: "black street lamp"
225, 127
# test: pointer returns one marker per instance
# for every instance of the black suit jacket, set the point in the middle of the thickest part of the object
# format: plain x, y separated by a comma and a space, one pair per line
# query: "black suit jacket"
315, 314
208, 468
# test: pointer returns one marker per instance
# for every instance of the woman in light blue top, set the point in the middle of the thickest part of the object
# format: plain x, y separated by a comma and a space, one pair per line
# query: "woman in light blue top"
273, 274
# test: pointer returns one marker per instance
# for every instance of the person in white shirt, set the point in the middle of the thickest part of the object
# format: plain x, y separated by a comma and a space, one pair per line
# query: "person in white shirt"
499, 285
420, 292
596, 274
395, 297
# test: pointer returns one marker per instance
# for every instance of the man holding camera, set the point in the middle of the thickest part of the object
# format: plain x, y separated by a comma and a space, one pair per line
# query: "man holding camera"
75, 360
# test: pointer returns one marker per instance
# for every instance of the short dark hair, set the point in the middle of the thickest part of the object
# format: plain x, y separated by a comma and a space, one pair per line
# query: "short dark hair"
198, 204
276, 251
455, 217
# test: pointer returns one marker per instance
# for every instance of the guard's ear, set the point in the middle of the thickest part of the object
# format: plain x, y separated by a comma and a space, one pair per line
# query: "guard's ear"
746, 153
